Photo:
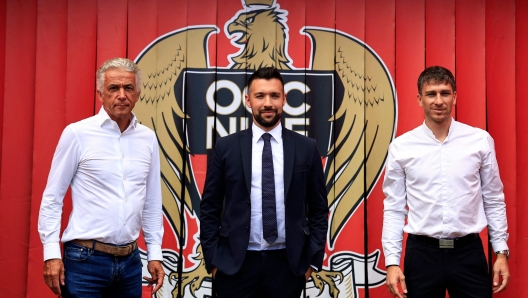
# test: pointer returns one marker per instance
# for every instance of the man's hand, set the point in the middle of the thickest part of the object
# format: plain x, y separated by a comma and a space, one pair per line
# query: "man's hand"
308, 273
54, 275
395, 276
156, 271
500, 271
213, 272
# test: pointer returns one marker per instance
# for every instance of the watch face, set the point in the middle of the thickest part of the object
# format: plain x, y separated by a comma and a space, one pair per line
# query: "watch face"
504, 252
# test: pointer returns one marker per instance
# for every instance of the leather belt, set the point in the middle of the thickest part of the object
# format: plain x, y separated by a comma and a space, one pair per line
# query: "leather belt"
115, 250
445, 243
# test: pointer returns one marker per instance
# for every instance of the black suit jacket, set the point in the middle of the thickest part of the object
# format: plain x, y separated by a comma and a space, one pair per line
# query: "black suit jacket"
226, 205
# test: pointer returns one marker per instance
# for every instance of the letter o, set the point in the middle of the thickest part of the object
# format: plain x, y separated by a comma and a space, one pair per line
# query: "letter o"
223, 110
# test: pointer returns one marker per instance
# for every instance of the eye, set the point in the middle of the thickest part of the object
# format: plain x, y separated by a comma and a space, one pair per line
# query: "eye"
249, 20
129, 88
112, 88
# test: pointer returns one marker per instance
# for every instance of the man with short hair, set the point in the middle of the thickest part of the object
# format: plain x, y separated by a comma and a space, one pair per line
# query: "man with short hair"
264, 210
111, 163
443, 176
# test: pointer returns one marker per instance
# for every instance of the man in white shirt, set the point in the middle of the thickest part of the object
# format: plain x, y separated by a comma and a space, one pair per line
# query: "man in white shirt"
443, 176
264, 210
112, 164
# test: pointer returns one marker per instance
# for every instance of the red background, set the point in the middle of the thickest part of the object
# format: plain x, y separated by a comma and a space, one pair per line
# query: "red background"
51, 49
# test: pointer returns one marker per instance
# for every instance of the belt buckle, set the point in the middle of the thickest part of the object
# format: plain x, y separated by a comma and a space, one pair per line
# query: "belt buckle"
447, 243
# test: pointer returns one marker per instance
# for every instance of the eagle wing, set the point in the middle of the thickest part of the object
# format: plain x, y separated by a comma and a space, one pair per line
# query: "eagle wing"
161, 64
364, 122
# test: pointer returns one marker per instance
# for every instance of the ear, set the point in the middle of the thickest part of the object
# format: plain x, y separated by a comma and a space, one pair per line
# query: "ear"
248, 102
419, 98
99, 95
138, 95
284, 100
454, 98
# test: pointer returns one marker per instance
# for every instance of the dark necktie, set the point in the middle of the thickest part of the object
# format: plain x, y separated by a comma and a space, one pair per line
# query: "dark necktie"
269, 213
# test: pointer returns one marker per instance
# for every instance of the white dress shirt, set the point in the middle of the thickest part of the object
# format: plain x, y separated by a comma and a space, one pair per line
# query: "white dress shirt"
115, 184
256, 237
446, 189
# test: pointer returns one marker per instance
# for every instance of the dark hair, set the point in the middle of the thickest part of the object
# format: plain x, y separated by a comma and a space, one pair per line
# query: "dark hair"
266, 73
436, 75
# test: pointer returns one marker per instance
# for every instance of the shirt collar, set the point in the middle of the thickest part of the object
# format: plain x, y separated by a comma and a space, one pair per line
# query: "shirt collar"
103, 118
452, 128
276, 132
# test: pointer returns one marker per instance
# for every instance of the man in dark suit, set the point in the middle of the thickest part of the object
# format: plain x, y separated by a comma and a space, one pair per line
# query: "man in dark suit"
264, 210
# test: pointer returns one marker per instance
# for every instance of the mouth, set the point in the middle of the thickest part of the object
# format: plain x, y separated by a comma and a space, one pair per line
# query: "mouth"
268, 112
239, 37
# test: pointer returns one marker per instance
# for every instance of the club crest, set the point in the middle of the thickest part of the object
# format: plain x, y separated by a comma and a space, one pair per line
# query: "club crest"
344, 98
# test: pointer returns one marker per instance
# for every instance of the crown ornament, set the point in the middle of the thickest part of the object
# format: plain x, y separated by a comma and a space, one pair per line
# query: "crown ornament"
268, 3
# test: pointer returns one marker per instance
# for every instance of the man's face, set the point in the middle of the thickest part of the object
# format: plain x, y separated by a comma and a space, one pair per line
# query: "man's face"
119, 94
266, 99
437, 101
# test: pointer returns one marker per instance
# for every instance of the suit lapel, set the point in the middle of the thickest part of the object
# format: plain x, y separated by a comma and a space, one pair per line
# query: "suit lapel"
246, 150
289, 157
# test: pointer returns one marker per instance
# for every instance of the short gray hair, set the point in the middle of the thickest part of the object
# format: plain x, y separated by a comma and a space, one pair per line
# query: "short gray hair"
123, 63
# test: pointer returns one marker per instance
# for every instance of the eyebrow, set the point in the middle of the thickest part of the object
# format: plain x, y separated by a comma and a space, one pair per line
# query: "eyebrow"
262, 92
438, 91
121, 85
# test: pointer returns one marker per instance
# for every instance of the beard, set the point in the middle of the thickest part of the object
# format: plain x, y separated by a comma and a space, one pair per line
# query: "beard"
267, 122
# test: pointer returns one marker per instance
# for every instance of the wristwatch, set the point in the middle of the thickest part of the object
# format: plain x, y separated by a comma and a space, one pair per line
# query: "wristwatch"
505, 252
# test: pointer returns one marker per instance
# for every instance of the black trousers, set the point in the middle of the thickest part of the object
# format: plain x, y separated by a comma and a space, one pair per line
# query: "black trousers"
263, 274
430, 270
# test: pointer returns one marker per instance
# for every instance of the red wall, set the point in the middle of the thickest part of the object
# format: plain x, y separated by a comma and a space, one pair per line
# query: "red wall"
51, 49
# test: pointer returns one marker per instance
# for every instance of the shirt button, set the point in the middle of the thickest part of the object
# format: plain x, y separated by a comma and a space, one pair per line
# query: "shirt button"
124, 223
246, 229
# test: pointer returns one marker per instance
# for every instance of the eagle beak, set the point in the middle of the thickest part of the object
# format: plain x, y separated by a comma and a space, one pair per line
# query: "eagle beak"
238, 31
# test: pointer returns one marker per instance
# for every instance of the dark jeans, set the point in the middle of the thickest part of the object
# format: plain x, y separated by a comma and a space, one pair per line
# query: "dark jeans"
263, 274
462, 271
91, 273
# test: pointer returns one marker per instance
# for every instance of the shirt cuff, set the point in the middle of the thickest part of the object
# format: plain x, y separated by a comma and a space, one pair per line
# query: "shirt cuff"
499, 246
392, 260
154, 252
52, 251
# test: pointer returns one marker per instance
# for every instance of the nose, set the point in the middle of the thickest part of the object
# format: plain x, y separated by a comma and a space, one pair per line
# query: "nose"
438, 99
267, 101
121, 93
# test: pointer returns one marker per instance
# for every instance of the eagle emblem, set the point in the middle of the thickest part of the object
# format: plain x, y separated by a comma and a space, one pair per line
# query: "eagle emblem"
345, 99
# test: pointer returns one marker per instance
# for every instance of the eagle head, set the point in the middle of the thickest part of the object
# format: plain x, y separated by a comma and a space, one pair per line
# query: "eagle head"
262, 36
